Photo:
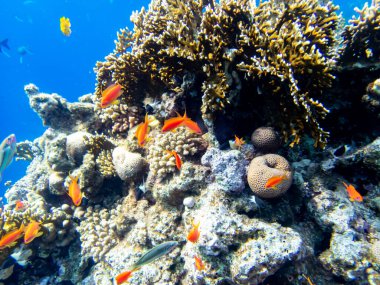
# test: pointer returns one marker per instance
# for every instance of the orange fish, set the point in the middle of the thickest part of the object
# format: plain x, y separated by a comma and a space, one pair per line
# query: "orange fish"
20, 205
74, 191
194, 233
10, 239
353, 194
199, 265
110, 95
178, 161
124, 276
142, 131
239, 142
32, 231
178, 121
274, 181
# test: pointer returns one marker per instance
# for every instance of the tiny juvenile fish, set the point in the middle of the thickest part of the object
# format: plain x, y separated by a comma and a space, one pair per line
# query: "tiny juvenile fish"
199, 265
178, 161
32, 231
239, 142
194, 233
142, 131
274, 181
110, 95
179, 121
65, 26
8, 149
353, 194
150, 256
10, 239
74, 191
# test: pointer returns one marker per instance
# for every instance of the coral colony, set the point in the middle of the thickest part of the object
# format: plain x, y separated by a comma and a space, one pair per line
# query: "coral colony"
205, 132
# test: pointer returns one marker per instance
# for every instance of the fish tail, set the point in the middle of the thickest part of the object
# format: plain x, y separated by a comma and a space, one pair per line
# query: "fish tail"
74, 178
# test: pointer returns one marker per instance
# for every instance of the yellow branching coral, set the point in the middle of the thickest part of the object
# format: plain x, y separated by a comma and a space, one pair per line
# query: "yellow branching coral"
288, 47
362, 37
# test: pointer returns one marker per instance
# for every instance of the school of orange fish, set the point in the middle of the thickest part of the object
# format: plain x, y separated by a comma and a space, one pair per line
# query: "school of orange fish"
109, 97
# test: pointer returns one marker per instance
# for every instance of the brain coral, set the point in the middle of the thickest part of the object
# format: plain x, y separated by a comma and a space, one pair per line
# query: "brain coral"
266, 139
127, 164
265, 167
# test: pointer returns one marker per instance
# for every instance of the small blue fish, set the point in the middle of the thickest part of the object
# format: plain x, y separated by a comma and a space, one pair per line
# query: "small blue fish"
7, 151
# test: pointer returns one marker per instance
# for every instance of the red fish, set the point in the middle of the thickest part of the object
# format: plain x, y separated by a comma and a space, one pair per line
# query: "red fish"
353, 194
142, 132
239, 142
124, 276
274, 181
110, 95
179, 121
74, 191
32, 231
10, 239
199, 265
178, 161
20, 205
194, 233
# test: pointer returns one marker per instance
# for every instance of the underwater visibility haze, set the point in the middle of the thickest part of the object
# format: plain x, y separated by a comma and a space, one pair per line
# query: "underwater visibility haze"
174, 142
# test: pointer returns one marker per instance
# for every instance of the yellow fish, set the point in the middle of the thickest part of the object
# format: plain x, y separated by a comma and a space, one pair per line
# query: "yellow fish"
65, 26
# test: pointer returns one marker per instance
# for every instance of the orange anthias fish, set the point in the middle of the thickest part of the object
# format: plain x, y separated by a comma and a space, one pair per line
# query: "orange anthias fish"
194, 233
124, 276
20, 205
178, 121
110, 95
142, 131
74, 191
65, 26
353, 194
32, 231
239, 142
10, 239
178, 161
274, 181
199, 265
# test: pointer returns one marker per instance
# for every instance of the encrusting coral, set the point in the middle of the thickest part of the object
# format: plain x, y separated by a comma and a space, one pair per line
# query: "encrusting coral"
227, 46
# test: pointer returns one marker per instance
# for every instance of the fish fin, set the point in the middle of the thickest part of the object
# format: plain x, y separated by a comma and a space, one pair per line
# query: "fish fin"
115, 102
12, 244
351, 199
345, 185
39, 234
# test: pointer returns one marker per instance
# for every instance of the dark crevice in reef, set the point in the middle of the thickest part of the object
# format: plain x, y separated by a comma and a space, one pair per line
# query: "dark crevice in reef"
323, 244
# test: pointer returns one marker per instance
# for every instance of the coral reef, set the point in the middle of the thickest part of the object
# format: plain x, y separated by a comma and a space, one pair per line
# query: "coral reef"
233, 66
249, 46
372, 98
265, 167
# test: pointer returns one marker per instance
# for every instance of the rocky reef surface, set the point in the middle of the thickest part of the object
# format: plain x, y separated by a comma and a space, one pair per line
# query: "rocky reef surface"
303, 230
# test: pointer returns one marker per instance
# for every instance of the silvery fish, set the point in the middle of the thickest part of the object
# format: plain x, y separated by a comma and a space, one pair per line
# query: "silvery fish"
7, 151
148, 257
155, 253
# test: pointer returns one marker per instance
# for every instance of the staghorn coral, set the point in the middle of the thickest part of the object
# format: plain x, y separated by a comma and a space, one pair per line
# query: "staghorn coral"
265, 139
277, 45
362, 38
184, 142
265, 167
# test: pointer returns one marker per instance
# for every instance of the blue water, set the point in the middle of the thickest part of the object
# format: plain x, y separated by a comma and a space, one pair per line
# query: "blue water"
59, 64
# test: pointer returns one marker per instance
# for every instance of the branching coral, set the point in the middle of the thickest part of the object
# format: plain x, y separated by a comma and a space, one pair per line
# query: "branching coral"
288, 47
362, 37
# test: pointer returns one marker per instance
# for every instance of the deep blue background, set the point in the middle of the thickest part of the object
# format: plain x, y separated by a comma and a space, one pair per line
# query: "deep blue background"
59, 64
